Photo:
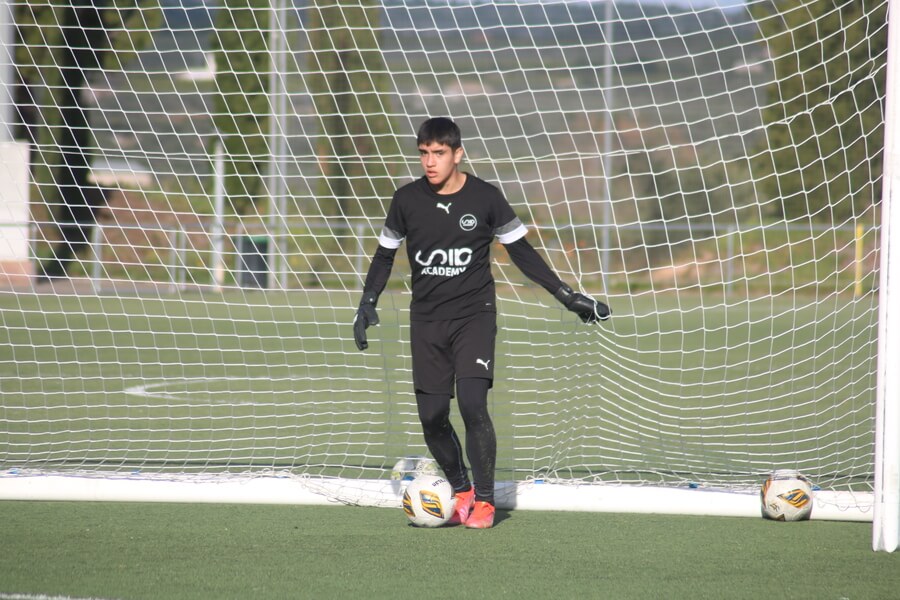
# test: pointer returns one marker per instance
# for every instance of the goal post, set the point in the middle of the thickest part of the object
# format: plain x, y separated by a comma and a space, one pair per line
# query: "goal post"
208, 185
886, 525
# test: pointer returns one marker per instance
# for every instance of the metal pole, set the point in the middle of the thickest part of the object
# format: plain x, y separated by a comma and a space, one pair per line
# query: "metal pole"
277, 139
886, 516
609, 102
174, 255
218, 228
97, 258
730, 232
282, 149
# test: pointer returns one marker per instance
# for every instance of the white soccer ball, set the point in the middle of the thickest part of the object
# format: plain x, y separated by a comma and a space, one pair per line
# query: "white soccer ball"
786, 496
408, 468
429, 501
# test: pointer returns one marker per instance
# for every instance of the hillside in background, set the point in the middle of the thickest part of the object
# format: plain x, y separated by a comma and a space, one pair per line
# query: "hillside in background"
641, 33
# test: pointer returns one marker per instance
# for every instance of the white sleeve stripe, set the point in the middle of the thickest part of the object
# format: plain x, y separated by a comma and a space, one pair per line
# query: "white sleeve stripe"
389, 242
511, 236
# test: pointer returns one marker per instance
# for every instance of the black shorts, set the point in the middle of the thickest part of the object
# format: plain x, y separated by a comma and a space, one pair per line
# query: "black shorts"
443, 351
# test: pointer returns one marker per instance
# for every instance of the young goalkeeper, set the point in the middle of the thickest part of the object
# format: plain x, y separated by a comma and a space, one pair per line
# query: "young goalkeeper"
449, 218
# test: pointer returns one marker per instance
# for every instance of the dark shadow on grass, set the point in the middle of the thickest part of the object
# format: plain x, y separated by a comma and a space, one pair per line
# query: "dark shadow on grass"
500, 516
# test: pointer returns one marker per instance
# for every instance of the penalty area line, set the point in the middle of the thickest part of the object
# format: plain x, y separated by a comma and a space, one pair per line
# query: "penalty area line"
5, 596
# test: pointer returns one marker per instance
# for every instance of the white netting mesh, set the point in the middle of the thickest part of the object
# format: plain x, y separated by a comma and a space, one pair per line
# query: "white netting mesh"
208, 181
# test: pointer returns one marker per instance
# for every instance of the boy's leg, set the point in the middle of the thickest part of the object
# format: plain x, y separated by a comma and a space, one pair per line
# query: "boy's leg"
441, 439
473, 340
433, 382
481, 440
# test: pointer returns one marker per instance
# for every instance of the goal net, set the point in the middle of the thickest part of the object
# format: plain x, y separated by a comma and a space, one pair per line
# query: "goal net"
207, 182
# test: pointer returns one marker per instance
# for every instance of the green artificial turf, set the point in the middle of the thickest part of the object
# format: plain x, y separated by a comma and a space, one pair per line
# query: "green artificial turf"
130, 550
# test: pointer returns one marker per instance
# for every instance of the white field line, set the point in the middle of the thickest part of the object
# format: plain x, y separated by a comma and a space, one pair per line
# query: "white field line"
4, 596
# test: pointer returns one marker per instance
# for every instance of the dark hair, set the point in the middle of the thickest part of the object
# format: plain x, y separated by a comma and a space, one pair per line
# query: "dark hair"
439, 130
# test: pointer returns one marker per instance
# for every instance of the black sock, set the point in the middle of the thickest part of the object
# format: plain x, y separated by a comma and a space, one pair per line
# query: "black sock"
481, 440
441, 439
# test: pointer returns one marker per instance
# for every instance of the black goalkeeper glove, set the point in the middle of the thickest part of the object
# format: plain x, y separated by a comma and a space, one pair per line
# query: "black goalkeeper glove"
365, 318
588, 309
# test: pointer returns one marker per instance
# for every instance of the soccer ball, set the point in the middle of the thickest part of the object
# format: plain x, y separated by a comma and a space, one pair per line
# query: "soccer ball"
406, 469
429, 501
786, 496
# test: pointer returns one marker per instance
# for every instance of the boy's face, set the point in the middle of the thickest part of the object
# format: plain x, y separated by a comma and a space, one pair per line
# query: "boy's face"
439, 162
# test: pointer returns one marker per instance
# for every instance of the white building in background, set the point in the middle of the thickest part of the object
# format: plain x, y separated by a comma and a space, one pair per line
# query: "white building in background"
15, 212
207, 72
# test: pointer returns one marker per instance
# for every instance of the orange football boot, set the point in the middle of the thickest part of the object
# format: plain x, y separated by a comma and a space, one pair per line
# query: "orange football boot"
482, 516
464, 502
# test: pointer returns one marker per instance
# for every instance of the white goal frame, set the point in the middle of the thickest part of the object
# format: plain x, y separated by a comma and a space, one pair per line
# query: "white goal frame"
881, 506
886, 525
285, 488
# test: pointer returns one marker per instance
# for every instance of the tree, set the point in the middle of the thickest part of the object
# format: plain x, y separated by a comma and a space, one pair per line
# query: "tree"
241, 105
821, 157
347, 74
61, 44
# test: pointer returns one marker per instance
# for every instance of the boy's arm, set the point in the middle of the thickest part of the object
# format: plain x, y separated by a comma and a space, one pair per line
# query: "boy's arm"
527, 259
379, 272
376, 280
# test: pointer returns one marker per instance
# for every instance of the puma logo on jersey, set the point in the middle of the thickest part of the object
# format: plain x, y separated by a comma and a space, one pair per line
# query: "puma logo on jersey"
484, 363
446, 207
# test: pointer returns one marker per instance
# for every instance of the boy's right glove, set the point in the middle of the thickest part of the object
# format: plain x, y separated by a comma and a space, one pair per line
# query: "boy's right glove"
365, 318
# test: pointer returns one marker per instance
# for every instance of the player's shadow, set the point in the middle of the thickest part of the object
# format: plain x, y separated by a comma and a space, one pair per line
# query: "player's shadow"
500, 516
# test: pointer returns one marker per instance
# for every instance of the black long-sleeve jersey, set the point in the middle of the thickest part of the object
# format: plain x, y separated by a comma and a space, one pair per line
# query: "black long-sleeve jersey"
448, 238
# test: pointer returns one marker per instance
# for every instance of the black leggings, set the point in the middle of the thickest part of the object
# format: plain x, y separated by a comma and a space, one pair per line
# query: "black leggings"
481, 441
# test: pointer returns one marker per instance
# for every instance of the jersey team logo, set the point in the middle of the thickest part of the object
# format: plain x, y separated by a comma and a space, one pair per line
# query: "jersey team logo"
448, 263
468, 222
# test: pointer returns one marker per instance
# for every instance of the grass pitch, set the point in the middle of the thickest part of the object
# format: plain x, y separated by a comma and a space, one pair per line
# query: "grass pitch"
206, 383
173, 551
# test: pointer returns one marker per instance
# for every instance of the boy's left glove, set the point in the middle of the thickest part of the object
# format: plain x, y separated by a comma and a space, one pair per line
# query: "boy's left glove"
365, 318
588, 309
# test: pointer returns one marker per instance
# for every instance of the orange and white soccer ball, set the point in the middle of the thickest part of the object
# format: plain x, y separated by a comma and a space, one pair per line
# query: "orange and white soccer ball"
428, 501
786, 496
